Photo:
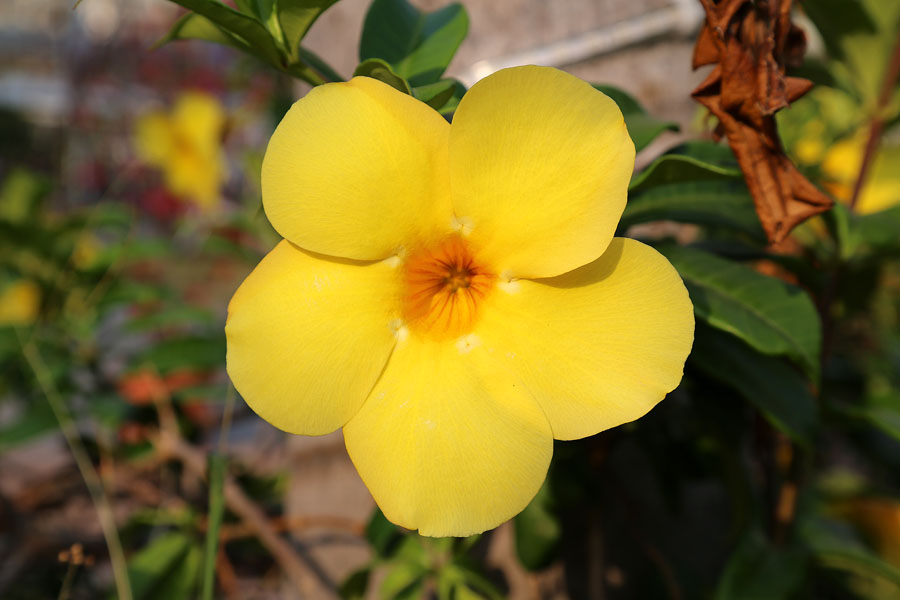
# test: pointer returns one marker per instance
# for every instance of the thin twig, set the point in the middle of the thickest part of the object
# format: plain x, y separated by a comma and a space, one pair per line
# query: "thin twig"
284, 524
85, 466
302, 576
877, 126
66, 588
226, 420
226, 575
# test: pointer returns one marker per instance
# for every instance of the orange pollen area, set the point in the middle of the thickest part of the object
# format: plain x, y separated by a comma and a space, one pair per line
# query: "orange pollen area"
443, 288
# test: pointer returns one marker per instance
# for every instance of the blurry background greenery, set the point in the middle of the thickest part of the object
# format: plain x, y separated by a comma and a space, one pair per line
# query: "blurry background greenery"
130, 211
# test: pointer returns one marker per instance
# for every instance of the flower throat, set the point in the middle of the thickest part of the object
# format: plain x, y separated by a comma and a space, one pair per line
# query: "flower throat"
444, 286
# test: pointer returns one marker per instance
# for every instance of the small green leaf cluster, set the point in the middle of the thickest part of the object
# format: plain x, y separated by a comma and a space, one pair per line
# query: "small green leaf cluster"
271, 30
400, 45
413, 566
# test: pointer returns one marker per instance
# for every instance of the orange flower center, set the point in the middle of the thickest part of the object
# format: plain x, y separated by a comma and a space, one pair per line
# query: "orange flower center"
444, 286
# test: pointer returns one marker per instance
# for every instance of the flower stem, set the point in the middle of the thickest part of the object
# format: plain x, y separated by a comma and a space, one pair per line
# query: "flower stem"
85, 466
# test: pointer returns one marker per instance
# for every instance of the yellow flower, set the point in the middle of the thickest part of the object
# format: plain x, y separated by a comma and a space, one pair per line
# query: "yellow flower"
452, 295
20, 303
841, 167
810, 147
86, 251
879, 520
186, 146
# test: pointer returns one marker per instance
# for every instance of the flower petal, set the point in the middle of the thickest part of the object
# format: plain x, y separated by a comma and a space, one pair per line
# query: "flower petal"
357, 170
599, 346
199, 119
448, 443
308, 337
539, 168
153, 138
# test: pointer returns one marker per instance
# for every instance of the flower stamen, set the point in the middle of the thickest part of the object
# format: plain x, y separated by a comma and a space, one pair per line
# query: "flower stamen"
444, 286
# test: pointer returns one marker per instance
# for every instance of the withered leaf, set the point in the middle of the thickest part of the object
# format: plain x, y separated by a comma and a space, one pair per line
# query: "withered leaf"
751, 42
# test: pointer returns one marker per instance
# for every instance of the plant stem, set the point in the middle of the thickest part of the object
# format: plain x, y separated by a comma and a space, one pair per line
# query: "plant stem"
876, 128
85, 466
66, 588
304, 577
227, 415
216, 478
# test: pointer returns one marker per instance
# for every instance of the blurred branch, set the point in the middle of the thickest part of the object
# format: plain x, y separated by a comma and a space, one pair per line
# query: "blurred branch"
282, 524
85, 466
225, 575
169, 443
877, 126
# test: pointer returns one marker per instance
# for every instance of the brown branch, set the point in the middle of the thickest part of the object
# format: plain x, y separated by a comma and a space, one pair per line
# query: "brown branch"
226, 575
877, 126
303, 577
284, 524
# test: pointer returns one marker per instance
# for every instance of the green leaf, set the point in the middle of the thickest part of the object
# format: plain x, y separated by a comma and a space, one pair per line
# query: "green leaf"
315, 62
859, 37
879, 230
172, 316
403, 580
693, 161
836, 546
296, 17
713, 203
772, 316
757, 570
776, 389
458, 92
35, 419
437, 94
642, 127
257, 8
247, 27
538, 531
157, 566
181, 583
838, 20
382, 71
839, 222
186, 352
217, 466
197, 27
382, 534
460, 582
882, 413
356, 585
21, 194
418, 45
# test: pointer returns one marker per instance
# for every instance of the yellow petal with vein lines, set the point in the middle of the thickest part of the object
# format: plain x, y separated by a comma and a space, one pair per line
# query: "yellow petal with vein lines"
448, 443
308, 337
358, 170
539, 166
599, 346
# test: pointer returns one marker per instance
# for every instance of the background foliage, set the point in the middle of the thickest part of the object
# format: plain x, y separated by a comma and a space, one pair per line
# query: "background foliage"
770, 473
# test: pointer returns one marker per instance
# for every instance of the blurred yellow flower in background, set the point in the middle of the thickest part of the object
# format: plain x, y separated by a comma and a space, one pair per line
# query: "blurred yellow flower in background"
185, 144
841, 165
878, 519
20, 302
87, 250
452, 295
810, 146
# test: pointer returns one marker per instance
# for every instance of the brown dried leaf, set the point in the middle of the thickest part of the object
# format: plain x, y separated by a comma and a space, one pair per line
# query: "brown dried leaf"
751, 41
